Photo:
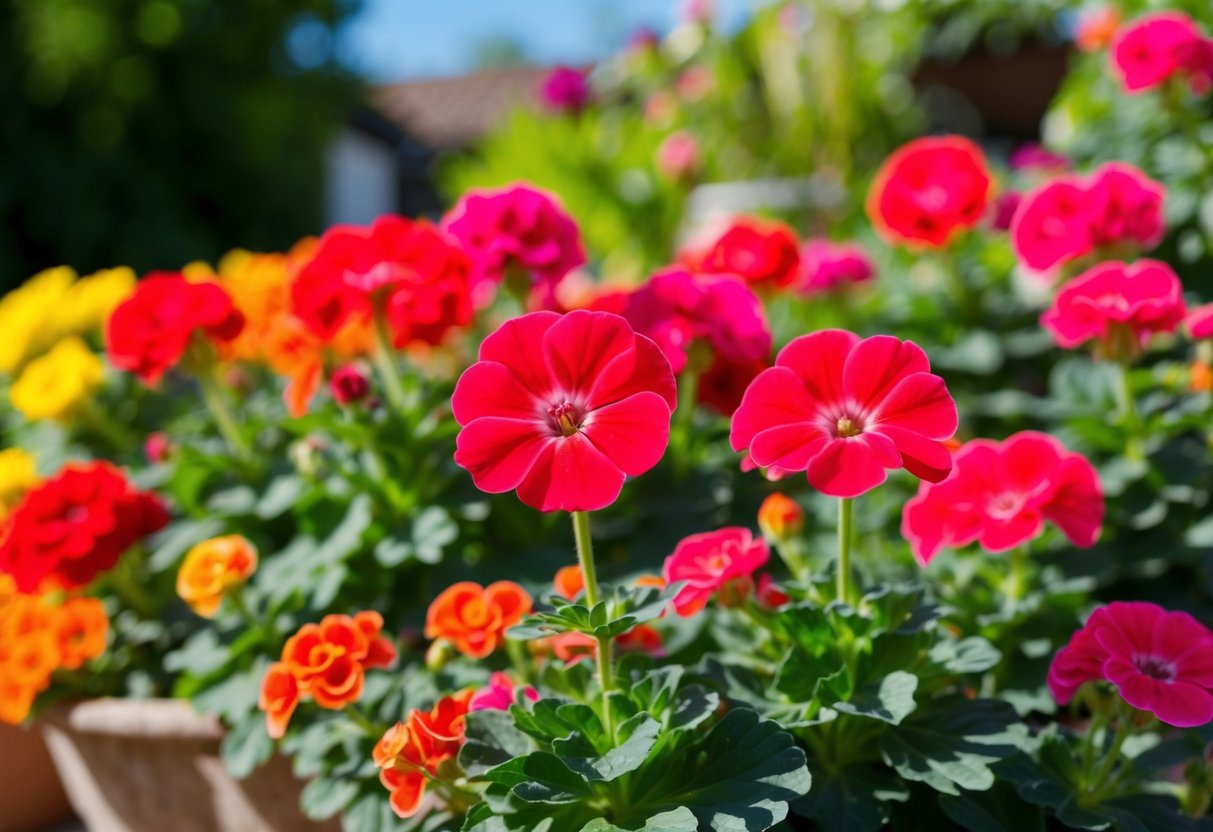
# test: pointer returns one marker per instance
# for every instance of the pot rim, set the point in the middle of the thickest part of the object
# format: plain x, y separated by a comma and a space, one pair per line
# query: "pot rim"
138, 718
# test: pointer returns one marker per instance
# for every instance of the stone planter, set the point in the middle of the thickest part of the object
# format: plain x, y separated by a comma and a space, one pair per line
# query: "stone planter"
153, 765
31, 797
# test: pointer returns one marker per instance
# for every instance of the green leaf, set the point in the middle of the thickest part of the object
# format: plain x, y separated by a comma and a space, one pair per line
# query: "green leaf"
246, 746
638, 734
324, 797
678, 820
549, 780
853, 799
201, 655
969, 655
492, 739
952, 746
610, 618
891, 699
283, 493
1000, 809
170, 545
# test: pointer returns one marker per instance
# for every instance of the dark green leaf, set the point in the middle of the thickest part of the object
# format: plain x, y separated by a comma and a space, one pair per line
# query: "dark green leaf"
246, 746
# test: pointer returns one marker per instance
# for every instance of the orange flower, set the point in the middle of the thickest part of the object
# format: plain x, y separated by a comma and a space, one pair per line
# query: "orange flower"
81, 627
780, 517
16, 700
214, 568
569, 581
380, 652
279, 698
413, 751
475, 618
1201, 379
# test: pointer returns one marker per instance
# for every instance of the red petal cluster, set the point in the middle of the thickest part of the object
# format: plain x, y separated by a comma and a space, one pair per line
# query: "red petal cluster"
414, 751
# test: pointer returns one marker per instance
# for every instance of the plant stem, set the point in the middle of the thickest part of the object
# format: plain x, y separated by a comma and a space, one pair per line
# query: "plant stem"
846, 510
684, 419
381, 356
1019, 572
585, 558
363, 721
1129, 419
1124, 729
114, 433
212, 394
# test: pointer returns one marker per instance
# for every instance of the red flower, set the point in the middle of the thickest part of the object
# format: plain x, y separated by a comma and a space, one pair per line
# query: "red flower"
1160, 661
1070, 217
349, 385
761, 252
150, 331
515, 228
76, 525
1157, 47
845, 409
710, 562
409, 267
1199, 322
827, 265
715, 322
1119, 305
1001, 493
413, 752
929, 190
563, 409
278, 698
329, 659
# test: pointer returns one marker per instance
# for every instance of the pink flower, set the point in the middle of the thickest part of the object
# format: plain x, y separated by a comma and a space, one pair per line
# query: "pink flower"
498, 695
760, 252
1001, 493
1005, 206
716, 319
1157, 47
826, 265
711, 561
349, 384
1119, 305
846, 409
1126, 205
157, 447
678, 156
565, 90
1032, 156
1160, 661
516, 227
1200, 322
930, 190
563, 409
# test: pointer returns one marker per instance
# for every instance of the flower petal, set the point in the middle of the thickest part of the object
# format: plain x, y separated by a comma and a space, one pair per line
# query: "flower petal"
920, 402
776, 397
490, 388
846, 468
633, 433
571, 475
819, 359
514, 345
924, 458
500, 452
643, 367
790, 447
581, 344
875, 366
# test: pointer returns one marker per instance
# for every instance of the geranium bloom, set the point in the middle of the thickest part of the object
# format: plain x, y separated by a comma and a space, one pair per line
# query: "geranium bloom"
329, 660
414, 751
56, 385
565, 90
75, 525
408, 269
714, 324
498, 695
278, 698
1199, 322
563, 409
475, 618
1153, 49
349, 384
1071, 216
761, 252
150, 331
515, 229
1031, 156
1119, 305
826, 265
846, 409
1001, 493
929, 190
1160, 661
780, 517
212, 569
709, 562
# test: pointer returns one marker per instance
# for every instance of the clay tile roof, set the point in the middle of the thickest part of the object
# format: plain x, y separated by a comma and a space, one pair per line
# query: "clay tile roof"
451, 113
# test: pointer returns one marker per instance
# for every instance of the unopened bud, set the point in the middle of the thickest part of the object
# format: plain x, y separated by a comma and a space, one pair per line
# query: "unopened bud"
780, 517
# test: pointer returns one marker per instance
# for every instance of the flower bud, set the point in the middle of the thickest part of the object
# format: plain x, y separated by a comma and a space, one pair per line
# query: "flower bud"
157, 448
349, 385
780, 517
735, 592
440, 652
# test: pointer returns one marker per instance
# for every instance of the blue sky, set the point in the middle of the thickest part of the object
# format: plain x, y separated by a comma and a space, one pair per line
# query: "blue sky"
400, 39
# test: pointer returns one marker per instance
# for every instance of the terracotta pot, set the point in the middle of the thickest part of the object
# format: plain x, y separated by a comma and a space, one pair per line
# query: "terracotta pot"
153, 765
31, 796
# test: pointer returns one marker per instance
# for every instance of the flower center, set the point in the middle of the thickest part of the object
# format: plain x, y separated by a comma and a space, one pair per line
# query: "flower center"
1155, 668
1005, 506
565, 418
77, 514
848, 427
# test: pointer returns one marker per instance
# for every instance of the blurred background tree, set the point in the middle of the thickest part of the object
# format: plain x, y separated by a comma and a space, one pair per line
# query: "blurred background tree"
152, 132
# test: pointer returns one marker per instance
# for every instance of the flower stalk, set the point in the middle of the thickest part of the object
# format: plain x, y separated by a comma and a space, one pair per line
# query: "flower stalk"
381, 357
846, 513
585, 559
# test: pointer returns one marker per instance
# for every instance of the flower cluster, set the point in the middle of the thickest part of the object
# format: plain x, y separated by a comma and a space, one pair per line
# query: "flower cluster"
326, 662
57, 384
763, 253
420, 750
474, 618
827, 266
721, 562
75, 525
1156, 48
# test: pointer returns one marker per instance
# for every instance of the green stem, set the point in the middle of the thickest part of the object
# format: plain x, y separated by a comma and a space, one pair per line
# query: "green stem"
212, 394
846, 510
1129, 419
684, 420
381, 357
1019, 572
114, 433
364, 722
1124, 730
589, 575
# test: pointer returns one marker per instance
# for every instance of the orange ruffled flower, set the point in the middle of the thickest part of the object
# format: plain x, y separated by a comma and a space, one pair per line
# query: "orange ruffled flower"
569, 581
419, 748
327, 662
780, 517
212, 569
475, 618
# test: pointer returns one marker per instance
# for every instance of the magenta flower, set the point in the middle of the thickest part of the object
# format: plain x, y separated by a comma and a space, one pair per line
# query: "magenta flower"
846, 409
1159, 661
1000, 494
517, 227
678, 156
712, 561
1151, 50
827, 265
565, 90
1119, 305
1031, 156
1199, 322
563, 409
498, 695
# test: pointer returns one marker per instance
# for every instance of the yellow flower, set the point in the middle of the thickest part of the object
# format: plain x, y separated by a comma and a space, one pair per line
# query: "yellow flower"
90, 301
17, 475
27, 316
54, 385
214, 568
